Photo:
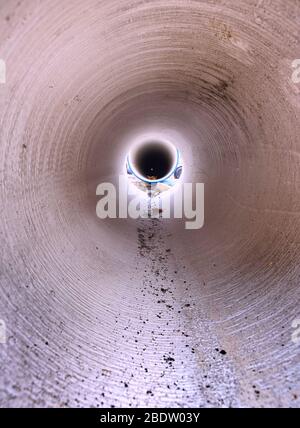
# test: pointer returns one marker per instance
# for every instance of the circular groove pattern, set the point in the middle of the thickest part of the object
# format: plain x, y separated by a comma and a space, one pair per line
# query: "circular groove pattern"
124, 313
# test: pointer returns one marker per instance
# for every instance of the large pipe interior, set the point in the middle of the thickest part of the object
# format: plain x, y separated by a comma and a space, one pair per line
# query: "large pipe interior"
134, 313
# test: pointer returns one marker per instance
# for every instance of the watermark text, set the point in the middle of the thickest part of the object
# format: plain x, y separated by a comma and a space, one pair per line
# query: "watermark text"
296, 332
2, 71
296, 73
2, 332
187, 202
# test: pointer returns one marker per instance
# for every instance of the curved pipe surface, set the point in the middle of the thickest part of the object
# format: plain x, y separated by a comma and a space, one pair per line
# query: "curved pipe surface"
145, 313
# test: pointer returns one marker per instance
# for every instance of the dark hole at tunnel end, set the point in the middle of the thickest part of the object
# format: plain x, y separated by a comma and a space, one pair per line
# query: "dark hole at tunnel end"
153, 161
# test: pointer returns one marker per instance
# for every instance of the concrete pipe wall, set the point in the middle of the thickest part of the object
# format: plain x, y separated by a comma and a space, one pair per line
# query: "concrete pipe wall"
145, 313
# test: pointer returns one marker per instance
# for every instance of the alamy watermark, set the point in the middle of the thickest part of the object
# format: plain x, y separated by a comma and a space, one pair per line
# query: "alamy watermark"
2, 332
186, 202
296, 73
296, 332
2, 71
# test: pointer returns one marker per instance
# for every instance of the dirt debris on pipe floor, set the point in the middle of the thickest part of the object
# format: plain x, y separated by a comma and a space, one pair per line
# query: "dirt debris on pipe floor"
145, 313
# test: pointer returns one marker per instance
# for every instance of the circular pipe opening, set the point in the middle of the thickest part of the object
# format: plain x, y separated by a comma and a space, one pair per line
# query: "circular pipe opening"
153, 161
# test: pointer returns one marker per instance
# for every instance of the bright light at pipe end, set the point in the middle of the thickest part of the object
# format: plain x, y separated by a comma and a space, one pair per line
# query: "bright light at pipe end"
154, 166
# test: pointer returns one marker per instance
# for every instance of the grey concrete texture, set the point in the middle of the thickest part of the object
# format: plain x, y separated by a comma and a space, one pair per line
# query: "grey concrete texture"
145, 313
